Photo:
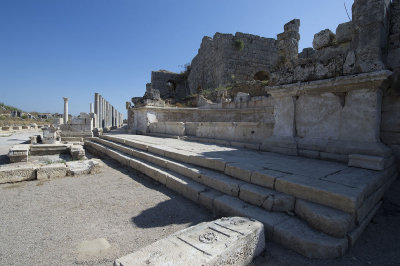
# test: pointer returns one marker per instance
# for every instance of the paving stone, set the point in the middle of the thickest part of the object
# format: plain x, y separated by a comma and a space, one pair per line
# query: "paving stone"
328, 220
226, 241
296, 235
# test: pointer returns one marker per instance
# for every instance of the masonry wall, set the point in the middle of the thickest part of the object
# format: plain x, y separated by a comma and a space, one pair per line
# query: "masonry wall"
169, 84
221, 61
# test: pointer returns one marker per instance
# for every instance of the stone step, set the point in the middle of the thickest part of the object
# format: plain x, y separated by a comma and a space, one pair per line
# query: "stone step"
256, 195
308, 241
323, 218
329, 184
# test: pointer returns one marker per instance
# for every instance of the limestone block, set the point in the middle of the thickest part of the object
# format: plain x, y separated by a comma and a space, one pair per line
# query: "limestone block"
323, 39
207, 162
360, 116
51, 171
265, 178
207, 197
296, 235
221, 182
284, 110
185, 186
253, 194
279, 202
19, 153
235, 170
267, 198
344, 32
15, 173
325, 123
175, 128
328, 220
226, 241
292, 25
354, 235
370, 202
367, 162
83, 167
325, 193
349, 63
5, 128
227, 205
16, 127
77, 152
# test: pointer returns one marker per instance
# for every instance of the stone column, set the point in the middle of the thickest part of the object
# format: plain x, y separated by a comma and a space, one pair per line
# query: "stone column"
91, 108
96, 109
100, 112
65, 110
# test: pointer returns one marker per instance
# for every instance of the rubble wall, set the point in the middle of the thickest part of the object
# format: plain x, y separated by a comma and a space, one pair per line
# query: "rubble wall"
226, 58
169, 84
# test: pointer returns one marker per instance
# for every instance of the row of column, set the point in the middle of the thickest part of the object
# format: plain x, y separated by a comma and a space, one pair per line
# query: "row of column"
106, 115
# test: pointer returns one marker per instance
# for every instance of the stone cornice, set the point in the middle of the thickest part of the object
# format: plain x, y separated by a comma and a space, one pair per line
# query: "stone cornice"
371, 80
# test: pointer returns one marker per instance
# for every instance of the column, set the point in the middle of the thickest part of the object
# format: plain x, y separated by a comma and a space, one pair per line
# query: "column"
96, 109
65, 110
100, 111
91, 108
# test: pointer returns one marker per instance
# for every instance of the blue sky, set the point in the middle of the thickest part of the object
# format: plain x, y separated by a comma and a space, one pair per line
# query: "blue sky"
51, 49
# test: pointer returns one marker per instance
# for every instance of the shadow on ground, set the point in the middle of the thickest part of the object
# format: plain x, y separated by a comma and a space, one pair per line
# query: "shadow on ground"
163, 214
176, 210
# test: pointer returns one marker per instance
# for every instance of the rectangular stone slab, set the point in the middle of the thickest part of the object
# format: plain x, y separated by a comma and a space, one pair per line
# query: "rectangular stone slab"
226, 241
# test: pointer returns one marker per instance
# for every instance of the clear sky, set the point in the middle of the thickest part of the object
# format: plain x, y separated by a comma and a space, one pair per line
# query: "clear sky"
51, 49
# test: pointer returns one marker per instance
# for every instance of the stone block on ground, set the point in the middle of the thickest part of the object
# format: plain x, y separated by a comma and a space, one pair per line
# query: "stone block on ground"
19, 153
51, 171
15, 173
226, 241
77, 152
83, 167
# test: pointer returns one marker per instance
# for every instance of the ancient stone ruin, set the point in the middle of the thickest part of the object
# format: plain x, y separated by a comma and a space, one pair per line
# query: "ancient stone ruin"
321, 128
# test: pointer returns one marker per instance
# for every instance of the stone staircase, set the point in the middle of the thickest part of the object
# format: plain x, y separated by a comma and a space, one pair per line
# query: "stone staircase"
316, 208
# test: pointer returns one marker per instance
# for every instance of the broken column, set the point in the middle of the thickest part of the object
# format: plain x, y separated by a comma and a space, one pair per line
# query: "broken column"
65, 110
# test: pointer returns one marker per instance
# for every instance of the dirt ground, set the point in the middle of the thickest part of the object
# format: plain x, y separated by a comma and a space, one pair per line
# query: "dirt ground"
45, 223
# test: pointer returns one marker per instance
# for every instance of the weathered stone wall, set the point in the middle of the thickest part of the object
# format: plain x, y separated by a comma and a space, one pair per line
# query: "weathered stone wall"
169, 84
339, 98
226, 58
329, 119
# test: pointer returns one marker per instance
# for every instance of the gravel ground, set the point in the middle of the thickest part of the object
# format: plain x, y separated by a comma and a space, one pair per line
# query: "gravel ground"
43, 223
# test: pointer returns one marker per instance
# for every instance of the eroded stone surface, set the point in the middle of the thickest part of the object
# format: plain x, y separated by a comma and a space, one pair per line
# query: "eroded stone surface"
226, 241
